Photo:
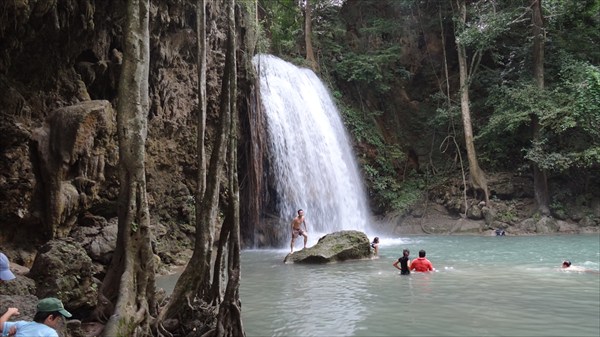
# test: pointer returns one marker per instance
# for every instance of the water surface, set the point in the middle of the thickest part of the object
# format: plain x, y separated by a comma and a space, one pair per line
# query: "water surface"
484, 286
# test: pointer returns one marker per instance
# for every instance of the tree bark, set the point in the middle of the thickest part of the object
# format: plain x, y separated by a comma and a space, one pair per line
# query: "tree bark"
310, 55
219, 265
477, 176
130, 277
540, 181
195, 280
186, 286
229, 320
201, 65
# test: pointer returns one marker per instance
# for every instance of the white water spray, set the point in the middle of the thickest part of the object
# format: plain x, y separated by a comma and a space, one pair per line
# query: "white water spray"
309, 152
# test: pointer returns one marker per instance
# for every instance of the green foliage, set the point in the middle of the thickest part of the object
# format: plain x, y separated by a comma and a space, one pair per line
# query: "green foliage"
360, 125
513, 107
283, 19
328, 30
446, 116
507, 215
359, 43
375, 63
572, 120
577, 27
579, 89
568, 114
410, 192
379, 68
261, 41
559, 209
562, 161
485, 24
385, 187
391, 194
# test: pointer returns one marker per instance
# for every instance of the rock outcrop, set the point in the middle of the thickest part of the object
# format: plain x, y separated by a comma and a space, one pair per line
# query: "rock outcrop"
63, 269
334, 247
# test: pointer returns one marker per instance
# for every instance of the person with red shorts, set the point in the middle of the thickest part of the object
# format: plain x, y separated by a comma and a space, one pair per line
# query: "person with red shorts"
421, 264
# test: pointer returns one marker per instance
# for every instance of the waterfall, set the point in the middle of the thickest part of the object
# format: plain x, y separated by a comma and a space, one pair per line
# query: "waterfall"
310, 155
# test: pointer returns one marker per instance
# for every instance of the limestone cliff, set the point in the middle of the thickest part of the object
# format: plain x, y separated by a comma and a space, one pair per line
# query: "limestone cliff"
59, 68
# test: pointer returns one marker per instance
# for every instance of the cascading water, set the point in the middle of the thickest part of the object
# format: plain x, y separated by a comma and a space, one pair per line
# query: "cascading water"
310, 156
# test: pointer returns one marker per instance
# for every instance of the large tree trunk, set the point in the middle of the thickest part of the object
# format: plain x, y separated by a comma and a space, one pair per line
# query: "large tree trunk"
310, 55
477, 176
229, 320
130, 277
195, 280
540, 181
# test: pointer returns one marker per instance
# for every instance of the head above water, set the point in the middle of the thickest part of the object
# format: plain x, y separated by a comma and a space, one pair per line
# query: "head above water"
566, 264
422, 253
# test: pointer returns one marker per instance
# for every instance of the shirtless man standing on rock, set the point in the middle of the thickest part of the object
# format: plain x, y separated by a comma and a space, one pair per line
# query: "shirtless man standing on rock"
297, 230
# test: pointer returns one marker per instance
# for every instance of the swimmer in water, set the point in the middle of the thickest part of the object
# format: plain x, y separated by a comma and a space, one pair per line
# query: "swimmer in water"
567, 266
375, 246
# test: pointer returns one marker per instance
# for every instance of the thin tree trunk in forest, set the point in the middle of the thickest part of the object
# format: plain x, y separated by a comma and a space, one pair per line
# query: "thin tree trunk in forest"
204, 221
446, 73
229, 320
201, 64
183, 291
540, 181
477, 176
449, 104
195, 280
218, 267
310, 54
130, 277
210, 203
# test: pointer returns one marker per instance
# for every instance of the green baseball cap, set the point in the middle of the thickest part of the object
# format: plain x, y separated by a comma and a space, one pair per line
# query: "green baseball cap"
52, 304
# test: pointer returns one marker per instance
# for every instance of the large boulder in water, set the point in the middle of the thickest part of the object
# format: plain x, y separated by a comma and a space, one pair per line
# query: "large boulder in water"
337, 246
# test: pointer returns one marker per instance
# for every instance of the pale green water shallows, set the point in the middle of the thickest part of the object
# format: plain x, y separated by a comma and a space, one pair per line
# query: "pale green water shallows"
484, 286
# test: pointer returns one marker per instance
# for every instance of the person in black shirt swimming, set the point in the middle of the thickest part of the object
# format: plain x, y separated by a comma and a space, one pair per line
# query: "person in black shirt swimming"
404, 262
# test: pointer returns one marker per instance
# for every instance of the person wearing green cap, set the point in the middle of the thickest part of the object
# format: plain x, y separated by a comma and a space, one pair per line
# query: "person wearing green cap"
48, 319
